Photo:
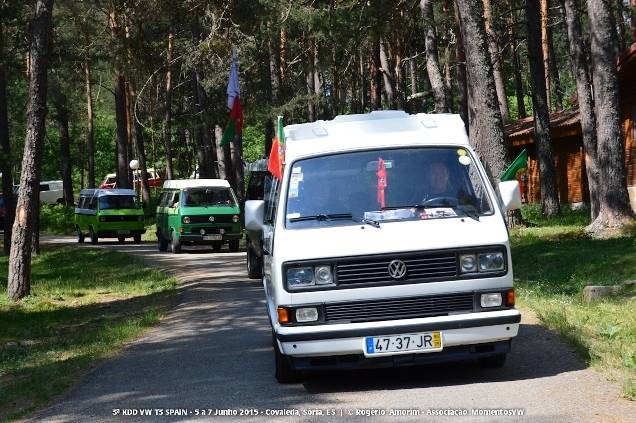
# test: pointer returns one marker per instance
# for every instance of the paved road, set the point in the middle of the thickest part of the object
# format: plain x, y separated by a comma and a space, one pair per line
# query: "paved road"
213, 352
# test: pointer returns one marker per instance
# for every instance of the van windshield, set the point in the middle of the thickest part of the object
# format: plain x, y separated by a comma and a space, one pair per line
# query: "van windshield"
117, 202
385, 185
208, 196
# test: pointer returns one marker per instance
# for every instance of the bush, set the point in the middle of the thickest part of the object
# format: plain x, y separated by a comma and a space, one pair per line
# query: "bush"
569, 217
57, 219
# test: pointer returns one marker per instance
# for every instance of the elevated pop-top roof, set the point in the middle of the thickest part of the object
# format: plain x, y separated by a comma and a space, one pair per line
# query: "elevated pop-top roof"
379, 129
104, 192
193, 183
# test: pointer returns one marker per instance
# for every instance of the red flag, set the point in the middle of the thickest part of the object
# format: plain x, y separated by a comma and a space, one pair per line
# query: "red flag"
237, 114
277, 155
382, 181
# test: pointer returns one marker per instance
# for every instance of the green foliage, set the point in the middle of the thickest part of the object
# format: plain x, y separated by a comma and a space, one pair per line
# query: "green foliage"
56, 219
533, 215
253, 142
72, 319
553, 262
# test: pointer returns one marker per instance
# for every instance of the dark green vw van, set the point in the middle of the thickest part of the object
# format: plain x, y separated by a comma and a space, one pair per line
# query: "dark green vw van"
109, 213
198, 211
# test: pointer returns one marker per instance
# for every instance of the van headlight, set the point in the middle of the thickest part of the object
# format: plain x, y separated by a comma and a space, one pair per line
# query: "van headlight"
306, 314
186, 219
308, 276
491, 300
482, 262
491, 262
235, 219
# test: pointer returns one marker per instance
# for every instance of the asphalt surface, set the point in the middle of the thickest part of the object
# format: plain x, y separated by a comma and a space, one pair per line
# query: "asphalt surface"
212, 354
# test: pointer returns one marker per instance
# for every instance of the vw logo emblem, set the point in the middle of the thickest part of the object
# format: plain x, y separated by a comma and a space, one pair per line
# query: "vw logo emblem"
397, 269
211, 218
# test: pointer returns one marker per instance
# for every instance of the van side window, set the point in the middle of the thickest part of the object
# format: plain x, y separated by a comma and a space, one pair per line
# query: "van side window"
163, 200
93, 203
81, 203
271, 200
175, 199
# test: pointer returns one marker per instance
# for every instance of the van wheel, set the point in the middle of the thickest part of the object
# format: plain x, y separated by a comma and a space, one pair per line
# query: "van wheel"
137, 239
254, 268
234, 245
121, 239
493, 362
162, 243
216, 246
285, 372
80, 236
93, 236
175, 244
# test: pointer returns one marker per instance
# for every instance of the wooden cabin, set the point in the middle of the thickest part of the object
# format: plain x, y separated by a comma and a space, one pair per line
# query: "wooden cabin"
565, 131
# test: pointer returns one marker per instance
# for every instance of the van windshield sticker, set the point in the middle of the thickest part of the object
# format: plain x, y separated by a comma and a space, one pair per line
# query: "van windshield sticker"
465, 160
296, 169
292, 215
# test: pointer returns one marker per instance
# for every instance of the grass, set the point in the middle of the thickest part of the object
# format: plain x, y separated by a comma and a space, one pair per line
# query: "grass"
85, 304
553, 261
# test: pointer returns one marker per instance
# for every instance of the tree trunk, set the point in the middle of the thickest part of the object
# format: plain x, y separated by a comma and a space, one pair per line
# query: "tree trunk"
554, 74
167, 121
309, 80
236, 151
486, 128
615, 210
19, 279
544, 7
516, 66
493, 48
5, 154
376, 79
90, 138
387, 75
432, 64
121, 131
220, 152
61, 117
139, 146
547, 171
460, 72
586, 103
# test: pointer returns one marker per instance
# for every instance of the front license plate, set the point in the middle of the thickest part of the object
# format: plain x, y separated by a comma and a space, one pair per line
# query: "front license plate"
396, 344
212, 237
123, 232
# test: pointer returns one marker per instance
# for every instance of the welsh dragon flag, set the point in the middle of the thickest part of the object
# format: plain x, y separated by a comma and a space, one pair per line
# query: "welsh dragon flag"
277, 154
235, 125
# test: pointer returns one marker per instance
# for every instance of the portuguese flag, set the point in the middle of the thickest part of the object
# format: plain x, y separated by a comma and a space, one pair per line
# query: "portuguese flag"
277, 155
519, 164
235, 125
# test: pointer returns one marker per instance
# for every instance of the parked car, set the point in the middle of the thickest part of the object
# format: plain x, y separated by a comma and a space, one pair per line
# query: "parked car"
198, 211
51, 192
108, 213
385, 245
154, 180
258, 185
109, 182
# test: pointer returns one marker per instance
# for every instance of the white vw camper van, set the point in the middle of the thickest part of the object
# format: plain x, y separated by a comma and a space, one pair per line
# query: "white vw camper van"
384, 245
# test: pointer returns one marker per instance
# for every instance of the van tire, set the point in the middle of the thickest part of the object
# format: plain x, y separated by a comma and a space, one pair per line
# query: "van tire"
80, 236
175, 245
254, 267
162, 243
234, 245
137, 239
285, 372
216, 246
93, 236
493, 362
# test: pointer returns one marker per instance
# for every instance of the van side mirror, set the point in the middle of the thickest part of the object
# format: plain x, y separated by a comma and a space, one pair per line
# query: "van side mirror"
510, 195
254, 213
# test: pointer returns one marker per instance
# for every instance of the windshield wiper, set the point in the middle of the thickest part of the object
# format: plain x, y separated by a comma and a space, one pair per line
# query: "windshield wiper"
468, 210
407, 206
334, 216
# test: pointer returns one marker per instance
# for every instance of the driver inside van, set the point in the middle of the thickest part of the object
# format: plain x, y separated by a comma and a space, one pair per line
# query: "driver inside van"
439, 182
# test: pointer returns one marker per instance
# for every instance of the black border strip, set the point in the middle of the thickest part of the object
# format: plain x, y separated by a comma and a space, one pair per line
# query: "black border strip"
392, 330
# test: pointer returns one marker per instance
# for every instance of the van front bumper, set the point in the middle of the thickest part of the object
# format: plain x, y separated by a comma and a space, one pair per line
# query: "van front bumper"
198, 239
470, 335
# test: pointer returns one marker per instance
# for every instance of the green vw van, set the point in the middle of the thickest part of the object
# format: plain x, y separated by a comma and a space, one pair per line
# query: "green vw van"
198, 211
109, 213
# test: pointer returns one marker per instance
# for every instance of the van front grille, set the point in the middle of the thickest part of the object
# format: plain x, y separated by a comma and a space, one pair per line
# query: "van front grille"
375, 270
399, 308
217, 218
120, 218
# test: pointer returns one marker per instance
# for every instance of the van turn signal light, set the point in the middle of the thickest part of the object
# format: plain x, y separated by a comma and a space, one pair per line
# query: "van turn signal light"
283, 315
510, 298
